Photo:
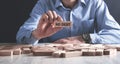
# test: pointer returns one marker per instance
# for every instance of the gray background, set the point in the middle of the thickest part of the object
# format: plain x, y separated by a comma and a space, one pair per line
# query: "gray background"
13, 13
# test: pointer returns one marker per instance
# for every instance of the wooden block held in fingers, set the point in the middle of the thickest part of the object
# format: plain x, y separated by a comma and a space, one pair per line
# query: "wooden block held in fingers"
6, 52
63, 24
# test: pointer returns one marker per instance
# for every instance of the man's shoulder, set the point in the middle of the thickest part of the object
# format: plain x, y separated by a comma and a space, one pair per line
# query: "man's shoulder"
46, 1
94, 1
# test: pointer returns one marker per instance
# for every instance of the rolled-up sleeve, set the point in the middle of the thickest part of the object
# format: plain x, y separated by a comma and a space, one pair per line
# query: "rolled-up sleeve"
24, 34
107, 30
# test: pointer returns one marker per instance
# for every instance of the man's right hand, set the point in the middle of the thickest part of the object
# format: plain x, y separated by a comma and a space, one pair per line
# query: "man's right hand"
46, 27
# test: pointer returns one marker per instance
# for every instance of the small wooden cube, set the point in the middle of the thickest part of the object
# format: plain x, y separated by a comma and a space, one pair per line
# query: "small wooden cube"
58, 53
17, 51
26, 50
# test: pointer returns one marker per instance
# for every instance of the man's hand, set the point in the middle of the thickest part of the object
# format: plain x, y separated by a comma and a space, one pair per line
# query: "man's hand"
71, 40
46, 27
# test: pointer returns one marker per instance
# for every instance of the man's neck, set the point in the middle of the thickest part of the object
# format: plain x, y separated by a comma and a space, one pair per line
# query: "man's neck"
69, 3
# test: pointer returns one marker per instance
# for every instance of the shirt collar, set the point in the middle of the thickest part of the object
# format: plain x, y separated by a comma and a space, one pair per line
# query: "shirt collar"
59, 3
83, 2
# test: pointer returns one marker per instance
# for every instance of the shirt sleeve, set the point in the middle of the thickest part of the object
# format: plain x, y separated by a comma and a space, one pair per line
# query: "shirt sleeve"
24, 33
107, 30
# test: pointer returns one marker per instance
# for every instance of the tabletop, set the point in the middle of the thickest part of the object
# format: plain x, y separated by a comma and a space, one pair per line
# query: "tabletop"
30, 59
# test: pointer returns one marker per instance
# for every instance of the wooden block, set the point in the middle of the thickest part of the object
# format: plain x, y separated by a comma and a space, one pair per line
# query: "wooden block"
91, 52
53, 45
71, 54
6, 52
84, 45
2, 47
26, 50
99, 52
69, 49
13, 50
63, 24
84, 52
8, 48
117, 46
58, 53
65, 54
77, 48
109, 51
17, 51
42, 52
23, 46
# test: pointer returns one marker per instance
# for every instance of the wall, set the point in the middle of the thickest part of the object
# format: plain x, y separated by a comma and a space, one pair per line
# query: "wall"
13, 13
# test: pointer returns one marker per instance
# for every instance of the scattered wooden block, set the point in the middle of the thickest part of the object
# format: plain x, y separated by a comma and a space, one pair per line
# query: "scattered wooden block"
58, 53
118, 48
69, 49
1, 47
84, 52
17, 51
65, 54
99, 52
6, 53
71, 54
109, 51
42, 52
26, 50
60, 50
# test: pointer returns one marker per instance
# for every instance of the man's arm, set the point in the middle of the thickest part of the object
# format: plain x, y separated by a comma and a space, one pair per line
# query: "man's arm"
24, 34
107, 29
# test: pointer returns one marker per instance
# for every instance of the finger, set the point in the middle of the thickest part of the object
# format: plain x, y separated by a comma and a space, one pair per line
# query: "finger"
44, 23
54, 15
50, 14
45, 17
59, 18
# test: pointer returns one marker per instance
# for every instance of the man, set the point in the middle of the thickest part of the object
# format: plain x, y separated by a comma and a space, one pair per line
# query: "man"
91, 23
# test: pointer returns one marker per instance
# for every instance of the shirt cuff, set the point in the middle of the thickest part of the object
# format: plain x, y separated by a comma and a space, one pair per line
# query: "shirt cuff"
29, 39
94, 38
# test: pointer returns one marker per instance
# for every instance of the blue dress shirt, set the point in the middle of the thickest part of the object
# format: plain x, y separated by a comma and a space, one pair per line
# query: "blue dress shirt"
87, 16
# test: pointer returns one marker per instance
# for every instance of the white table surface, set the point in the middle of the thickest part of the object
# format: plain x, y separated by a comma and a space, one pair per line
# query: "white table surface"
30, 59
